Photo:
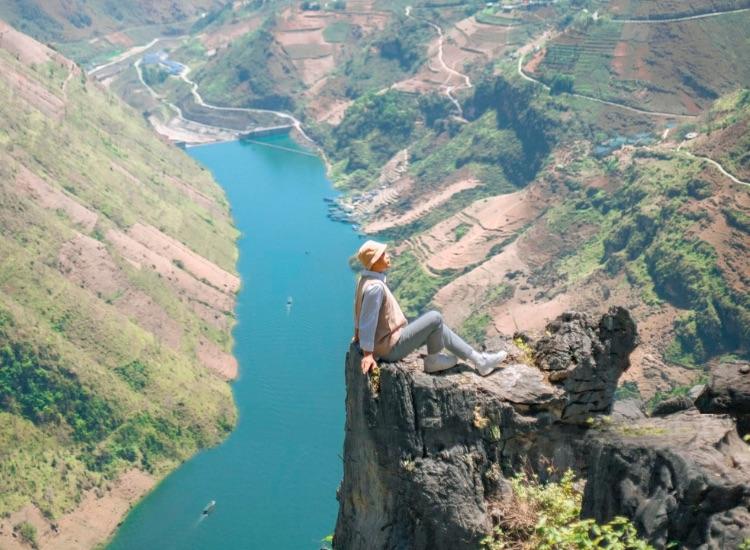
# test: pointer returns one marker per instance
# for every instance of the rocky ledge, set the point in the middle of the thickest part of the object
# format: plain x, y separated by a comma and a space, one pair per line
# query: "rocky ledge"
427, 457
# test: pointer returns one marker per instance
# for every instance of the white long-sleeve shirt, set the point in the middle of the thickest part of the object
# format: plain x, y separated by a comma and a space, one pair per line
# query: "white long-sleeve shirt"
372, 299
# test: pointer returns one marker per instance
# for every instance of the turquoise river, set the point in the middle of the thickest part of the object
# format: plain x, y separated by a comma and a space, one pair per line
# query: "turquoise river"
274, 479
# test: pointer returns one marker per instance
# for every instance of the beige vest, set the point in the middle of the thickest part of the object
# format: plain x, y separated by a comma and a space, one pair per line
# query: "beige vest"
391, 320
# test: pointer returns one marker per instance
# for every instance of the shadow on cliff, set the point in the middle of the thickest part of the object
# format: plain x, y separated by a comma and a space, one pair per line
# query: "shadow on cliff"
427, 458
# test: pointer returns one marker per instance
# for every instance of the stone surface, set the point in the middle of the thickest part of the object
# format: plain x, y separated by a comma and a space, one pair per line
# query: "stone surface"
587, 358
728, 392
427, 458
425, 454
673, 405
684, 477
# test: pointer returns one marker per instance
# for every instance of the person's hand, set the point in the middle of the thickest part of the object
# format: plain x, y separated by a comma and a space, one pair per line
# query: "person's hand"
368, 363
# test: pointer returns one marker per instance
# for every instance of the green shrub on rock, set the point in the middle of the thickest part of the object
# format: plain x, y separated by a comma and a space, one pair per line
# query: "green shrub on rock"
546, 516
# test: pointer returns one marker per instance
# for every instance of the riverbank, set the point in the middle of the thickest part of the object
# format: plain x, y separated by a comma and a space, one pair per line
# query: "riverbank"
94, 520
279, 466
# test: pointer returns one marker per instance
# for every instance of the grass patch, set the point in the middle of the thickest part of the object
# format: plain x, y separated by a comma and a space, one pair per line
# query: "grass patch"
460, 231
474, 328
546, 516
337, 32
413, 287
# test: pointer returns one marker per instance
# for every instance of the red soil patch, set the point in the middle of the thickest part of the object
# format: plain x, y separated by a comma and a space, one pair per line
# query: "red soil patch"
87, 263
535, 61
619, 58
211, 304
24, 47
219, 361
94, 520
31, 185
33, 93
198, 266
491, 221
423, 207
463, 295
223, 36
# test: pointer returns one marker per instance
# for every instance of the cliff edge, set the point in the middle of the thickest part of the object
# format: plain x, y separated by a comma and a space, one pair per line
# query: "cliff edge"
427, 458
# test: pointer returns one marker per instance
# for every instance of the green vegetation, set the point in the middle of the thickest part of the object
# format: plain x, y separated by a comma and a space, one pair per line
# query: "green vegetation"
488, 17
546, 516
676, 391
252, 72
88, 387
474, 328
404, 41
737, 219
641, 229
627, 390
461, 230
413, 287
336, 32
374, 128
27, 533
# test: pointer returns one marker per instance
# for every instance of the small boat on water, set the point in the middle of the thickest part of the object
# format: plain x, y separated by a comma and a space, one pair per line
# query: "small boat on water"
209, 508
289, 301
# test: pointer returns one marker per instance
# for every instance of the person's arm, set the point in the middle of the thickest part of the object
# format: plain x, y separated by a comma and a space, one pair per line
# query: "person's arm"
372, 299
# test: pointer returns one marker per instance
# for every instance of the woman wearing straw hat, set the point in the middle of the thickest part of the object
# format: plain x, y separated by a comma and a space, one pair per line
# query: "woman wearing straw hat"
384, 333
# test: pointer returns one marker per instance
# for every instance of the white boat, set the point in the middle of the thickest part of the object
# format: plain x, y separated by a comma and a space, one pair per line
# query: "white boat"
209, 508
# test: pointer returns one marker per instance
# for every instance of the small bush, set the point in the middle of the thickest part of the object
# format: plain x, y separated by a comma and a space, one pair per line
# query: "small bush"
27, 533
546, 516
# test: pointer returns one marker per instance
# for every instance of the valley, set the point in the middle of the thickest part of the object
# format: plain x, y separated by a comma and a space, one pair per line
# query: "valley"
522, 160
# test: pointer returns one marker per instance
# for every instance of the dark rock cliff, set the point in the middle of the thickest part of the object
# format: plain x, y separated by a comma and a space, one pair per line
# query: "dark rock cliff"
427, 457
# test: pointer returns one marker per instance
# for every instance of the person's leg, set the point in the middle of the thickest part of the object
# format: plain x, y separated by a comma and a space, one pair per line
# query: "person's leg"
456, 345
426, 329
485, 363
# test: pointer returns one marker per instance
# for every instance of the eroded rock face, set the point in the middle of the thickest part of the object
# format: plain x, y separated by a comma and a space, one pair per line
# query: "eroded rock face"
684, 477
427, 457
728, 392
587, 358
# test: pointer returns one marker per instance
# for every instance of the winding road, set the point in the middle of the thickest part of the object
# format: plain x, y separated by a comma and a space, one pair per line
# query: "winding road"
678, 19
137, 50
451, 72
718, 166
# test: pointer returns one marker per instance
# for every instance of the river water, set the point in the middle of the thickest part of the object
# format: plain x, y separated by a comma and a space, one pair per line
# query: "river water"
274, 480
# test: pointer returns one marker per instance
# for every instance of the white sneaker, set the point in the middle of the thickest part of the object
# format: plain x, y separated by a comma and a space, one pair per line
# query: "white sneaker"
485, 363
436, 362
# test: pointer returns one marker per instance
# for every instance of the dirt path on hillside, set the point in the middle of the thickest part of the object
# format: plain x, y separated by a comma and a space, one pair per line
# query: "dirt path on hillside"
679, 19
448, 89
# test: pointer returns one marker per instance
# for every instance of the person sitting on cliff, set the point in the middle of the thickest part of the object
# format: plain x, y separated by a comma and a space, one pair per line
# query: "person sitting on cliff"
384, 333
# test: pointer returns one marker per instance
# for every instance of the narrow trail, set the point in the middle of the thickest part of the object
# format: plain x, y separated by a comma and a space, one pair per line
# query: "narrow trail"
717, 165
678, 19
71, 73
448, 90
199, 100
136, 50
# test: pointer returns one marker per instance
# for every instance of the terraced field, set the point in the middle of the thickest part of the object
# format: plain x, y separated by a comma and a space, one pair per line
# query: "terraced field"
654, 66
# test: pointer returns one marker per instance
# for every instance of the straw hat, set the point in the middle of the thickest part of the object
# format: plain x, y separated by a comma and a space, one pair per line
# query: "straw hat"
370, 252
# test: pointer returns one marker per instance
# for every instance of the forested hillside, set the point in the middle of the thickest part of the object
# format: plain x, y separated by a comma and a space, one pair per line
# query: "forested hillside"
117, 286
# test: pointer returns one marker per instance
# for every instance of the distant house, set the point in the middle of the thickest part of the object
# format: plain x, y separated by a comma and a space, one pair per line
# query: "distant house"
162, 59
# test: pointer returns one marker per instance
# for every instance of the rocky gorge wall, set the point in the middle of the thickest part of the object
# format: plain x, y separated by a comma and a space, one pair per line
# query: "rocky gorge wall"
427, 459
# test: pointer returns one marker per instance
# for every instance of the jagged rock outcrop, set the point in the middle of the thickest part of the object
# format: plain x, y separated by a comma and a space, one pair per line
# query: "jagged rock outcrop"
427, 457
684, 477
728, 392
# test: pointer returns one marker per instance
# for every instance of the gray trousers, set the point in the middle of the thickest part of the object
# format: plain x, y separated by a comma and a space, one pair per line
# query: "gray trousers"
428, 329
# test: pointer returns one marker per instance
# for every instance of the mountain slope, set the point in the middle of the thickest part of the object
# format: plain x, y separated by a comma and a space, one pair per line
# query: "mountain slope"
117, 289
